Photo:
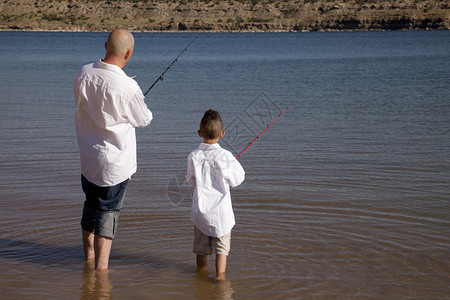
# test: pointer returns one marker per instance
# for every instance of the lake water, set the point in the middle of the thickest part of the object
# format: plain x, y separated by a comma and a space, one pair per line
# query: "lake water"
347, 195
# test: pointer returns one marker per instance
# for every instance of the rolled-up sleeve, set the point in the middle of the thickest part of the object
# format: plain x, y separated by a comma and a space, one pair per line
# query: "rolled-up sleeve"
139, 114
235, 174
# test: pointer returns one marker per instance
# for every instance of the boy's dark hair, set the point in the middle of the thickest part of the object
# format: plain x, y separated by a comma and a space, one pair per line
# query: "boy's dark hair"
211, 125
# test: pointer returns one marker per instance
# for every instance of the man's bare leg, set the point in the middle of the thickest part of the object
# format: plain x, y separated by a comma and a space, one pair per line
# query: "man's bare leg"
102, 250
221, 265
202, 263
88, 245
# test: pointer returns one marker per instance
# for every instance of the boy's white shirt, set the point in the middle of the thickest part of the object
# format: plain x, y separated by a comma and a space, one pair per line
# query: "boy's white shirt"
211, 170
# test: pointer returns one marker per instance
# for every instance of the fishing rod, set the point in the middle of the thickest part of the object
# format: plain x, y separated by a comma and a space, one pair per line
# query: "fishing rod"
161, 78
251, 143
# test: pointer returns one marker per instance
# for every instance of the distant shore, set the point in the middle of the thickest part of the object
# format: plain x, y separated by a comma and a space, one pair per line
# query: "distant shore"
224, 16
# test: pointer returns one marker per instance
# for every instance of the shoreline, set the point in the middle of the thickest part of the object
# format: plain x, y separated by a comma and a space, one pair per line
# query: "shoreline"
224, 16
219, 31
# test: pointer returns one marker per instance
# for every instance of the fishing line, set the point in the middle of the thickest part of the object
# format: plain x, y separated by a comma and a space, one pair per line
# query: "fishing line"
161, 78
251, 143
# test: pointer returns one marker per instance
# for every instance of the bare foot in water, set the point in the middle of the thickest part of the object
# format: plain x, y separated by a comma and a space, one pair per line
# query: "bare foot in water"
203, 269
221, 277
202, 263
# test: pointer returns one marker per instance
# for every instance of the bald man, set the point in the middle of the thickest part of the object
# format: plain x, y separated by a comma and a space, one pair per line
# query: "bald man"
109, 106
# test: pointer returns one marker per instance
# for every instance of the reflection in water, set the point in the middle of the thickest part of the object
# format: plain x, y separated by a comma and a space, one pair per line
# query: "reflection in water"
96, 284
206, 287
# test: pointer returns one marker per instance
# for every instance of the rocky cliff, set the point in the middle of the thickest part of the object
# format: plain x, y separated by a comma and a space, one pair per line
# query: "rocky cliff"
231, 15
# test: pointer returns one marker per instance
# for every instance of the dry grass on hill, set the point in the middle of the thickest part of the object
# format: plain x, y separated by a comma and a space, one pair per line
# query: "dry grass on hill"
231, 15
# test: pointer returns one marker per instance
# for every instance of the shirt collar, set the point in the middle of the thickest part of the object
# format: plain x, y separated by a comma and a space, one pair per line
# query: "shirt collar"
109, 67
205, 146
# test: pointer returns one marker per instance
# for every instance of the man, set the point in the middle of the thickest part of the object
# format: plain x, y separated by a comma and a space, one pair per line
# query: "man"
110, 105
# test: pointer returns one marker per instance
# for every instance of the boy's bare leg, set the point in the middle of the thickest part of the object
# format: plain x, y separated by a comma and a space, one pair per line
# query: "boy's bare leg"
102, 250
221, 265
88, 245
202, 263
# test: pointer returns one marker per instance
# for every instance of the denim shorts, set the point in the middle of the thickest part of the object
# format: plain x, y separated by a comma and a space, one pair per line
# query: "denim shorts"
205, 245
102, 207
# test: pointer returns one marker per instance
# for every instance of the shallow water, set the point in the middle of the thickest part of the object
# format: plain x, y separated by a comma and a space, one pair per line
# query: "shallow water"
346, 196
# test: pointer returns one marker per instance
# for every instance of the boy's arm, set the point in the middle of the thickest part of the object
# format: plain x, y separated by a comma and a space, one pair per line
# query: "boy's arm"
235, 173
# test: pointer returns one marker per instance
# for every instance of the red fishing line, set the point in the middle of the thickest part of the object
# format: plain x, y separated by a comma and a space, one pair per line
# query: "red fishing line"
263, 131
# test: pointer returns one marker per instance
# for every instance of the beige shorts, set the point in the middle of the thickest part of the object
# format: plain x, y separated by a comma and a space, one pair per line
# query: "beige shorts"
205, 245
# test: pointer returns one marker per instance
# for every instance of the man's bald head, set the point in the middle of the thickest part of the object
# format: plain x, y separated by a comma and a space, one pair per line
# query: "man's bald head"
119, 47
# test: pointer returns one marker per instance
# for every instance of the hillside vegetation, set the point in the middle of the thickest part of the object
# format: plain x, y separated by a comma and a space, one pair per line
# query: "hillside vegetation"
231, 15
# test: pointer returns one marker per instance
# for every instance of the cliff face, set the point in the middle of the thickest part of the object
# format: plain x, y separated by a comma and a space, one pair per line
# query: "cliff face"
231, 15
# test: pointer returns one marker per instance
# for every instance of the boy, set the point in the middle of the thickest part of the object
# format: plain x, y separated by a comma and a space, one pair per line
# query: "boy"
211, 170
